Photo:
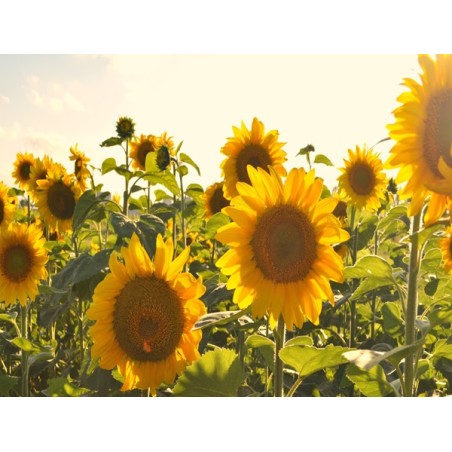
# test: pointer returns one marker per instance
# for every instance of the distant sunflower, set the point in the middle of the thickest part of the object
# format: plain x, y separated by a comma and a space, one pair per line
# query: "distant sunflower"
22, 169
140, 148
250, 147
363, 181
40, 170
281, 258
214, 199
446, 250
423, 136
56, 198
125, 127
145, 311
6, 206
81, 170
23, 257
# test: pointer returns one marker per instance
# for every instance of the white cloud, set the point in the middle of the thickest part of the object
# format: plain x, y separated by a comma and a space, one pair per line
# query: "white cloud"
4, 99
11, 132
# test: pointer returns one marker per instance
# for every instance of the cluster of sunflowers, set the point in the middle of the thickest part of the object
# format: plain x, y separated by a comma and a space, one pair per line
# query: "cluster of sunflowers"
282, 245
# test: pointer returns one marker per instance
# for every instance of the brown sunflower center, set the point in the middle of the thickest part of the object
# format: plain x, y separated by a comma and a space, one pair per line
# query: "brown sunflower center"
2, 210
61, 201
254, 155
340, 211
24, 170
438, 130
361, 178
284, 244
17, 263
148, 319
78, 166
143, 150
218, 201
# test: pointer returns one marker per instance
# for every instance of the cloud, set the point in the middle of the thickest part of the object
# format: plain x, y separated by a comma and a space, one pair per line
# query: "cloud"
11, 132
4, 99
52, 96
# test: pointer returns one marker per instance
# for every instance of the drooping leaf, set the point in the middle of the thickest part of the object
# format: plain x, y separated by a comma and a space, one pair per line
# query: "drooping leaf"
108, 165
372, 383
220, 318
217, 373
112, 141
323, 159
187, 159
25, 345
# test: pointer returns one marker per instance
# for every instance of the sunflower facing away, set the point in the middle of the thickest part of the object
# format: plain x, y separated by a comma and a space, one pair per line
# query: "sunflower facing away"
140, 148
363, 181
22, 263
56, 198
423, 136
144, 312
281, 259
81, 170
22, 169
250, 147
125, 127
214, 199
6, 206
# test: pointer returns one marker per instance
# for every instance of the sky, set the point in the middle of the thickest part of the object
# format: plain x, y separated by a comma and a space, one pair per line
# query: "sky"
49, 103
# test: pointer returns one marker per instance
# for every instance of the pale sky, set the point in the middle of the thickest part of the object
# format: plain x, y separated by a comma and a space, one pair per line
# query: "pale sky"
48, 103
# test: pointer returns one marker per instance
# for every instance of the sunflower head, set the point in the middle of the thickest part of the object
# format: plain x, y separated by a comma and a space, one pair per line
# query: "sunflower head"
214, 199
423, 137
363, 181
281, 259
22, 169
125, 127
7, 208
56, 197
140, 148
81, 170
250, 147
144, 312
23, 257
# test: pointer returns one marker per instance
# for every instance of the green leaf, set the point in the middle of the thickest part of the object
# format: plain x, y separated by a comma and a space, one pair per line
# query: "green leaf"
164, 178
39, 357
299, 340
323, 159
108, 165
306, 150
9, 317
306, 359
392, 319
265, 346
440, 316
194, 191
112, 141
187, 159
25, 344
217, 373
220, 318
431, 260
182, 170
443, 349
63, 387
368, 285
370, 266
372, 383
216, 222
7, 384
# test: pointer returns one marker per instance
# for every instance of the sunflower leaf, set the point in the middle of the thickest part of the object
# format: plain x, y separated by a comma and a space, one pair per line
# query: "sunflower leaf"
108, 165
112, 141
187, 159
217, 373
323, 159
265, 346
7, 384
215, 222
372, 383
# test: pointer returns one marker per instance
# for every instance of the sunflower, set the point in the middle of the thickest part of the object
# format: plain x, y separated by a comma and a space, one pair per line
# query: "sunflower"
6, 206
363, 181
144, 312
81, 170
56, 198
140, 148
40, 170
22, 168
423, 137
250, 147
125, 127
281, 257
22, 262
446, 250
214, 199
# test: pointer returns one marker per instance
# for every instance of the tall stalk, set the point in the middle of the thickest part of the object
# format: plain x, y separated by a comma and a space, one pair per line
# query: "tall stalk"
278, 375
24, 354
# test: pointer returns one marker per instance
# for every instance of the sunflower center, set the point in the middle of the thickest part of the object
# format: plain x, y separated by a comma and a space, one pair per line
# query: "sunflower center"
218, 201
143, 150
340, 211
362, 178
284, 244
24, 170
78, 166
17, 262
254, 155
438, 130
148, 319
61, 201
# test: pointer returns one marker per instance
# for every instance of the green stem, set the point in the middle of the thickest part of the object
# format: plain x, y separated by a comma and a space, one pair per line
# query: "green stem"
24, 354
294, 386
149, 197
182, 208
125, 208
80, 332
280, 333
411, 308
353, 320
374, 294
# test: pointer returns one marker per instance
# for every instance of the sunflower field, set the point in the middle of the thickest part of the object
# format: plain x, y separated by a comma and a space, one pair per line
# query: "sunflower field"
267, 283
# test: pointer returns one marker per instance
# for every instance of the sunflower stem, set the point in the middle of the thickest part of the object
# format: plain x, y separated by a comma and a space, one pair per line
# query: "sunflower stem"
374, 294
125, 209
278, 375
182, 208
24, 354
353, 320
411, 308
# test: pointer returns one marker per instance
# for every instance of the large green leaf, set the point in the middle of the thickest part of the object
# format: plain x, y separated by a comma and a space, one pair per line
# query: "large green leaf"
108, 165
214, 223
217, 373
187, 159
443, 349
392, 319
7, 383
306, 359
370, 266
372, 383
265, 346
164, 178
